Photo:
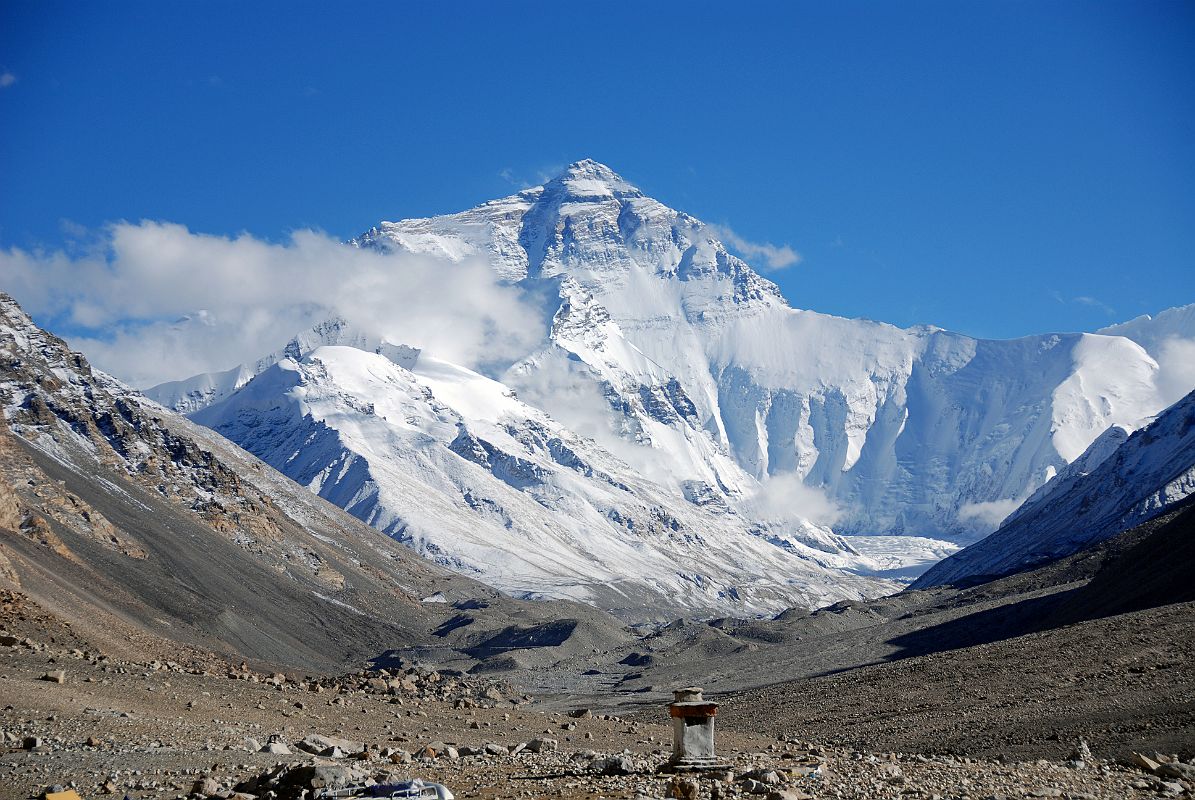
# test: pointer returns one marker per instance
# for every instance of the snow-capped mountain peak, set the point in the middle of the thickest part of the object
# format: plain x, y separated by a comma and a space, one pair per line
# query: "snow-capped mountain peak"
691, 371
588, 179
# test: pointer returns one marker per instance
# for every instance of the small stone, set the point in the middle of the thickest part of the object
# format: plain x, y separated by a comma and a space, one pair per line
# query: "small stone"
767, 776
613, 765
55, 676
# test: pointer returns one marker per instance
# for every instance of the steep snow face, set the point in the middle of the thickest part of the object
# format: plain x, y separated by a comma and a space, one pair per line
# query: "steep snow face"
456, 466
1121, 480
677, 356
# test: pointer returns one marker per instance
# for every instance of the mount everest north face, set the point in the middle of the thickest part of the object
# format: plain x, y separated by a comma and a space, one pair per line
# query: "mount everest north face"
682, 440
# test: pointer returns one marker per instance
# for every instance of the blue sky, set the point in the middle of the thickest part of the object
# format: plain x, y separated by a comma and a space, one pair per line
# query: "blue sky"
994, 168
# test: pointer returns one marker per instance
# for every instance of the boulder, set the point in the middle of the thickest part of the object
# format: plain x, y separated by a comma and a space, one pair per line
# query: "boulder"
612, 765
292, 784
205, 787
543, 745
1145, 762
320, 745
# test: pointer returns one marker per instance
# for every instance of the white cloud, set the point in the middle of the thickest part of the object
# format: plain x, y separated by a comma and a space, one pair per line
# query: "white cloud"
774, 257
1092, 302
989, 514
1176, 373
785, 497
156, 302
7, 79
1083, 300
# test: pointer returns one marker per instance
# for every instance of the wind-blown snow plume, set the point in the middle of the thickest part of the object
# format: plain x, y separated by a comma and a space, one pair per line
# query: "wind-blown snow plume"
154, 301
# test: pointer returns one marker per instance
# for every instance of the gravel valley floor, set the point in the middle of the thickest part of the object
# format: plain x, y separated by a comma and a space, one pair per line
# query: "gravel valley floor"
155, 728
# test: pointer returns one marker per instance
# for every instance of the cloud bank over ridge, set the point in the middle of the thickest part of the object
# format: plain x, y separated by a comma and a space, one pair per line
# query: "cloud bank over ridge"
154, 301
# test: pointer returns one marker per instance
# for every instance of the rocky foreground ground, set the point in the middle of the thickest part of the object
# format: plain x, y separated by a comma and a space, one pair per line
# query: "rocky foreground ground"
110, 726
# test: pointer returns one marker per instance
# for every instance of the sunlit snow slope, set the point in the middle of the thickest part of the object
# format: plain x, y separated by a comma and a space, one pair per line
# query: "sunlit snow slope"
455, 465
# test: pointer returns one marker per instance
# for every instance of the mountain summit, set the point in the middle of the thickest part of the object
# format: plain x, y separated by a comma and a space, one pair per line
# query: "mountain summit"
909, 431
588, 178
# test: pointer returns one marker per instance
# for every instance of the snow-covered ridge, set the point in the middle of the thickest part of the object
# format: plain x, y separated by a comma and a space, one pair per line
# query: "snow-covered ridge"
455, 465
1120, 481
191, 394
